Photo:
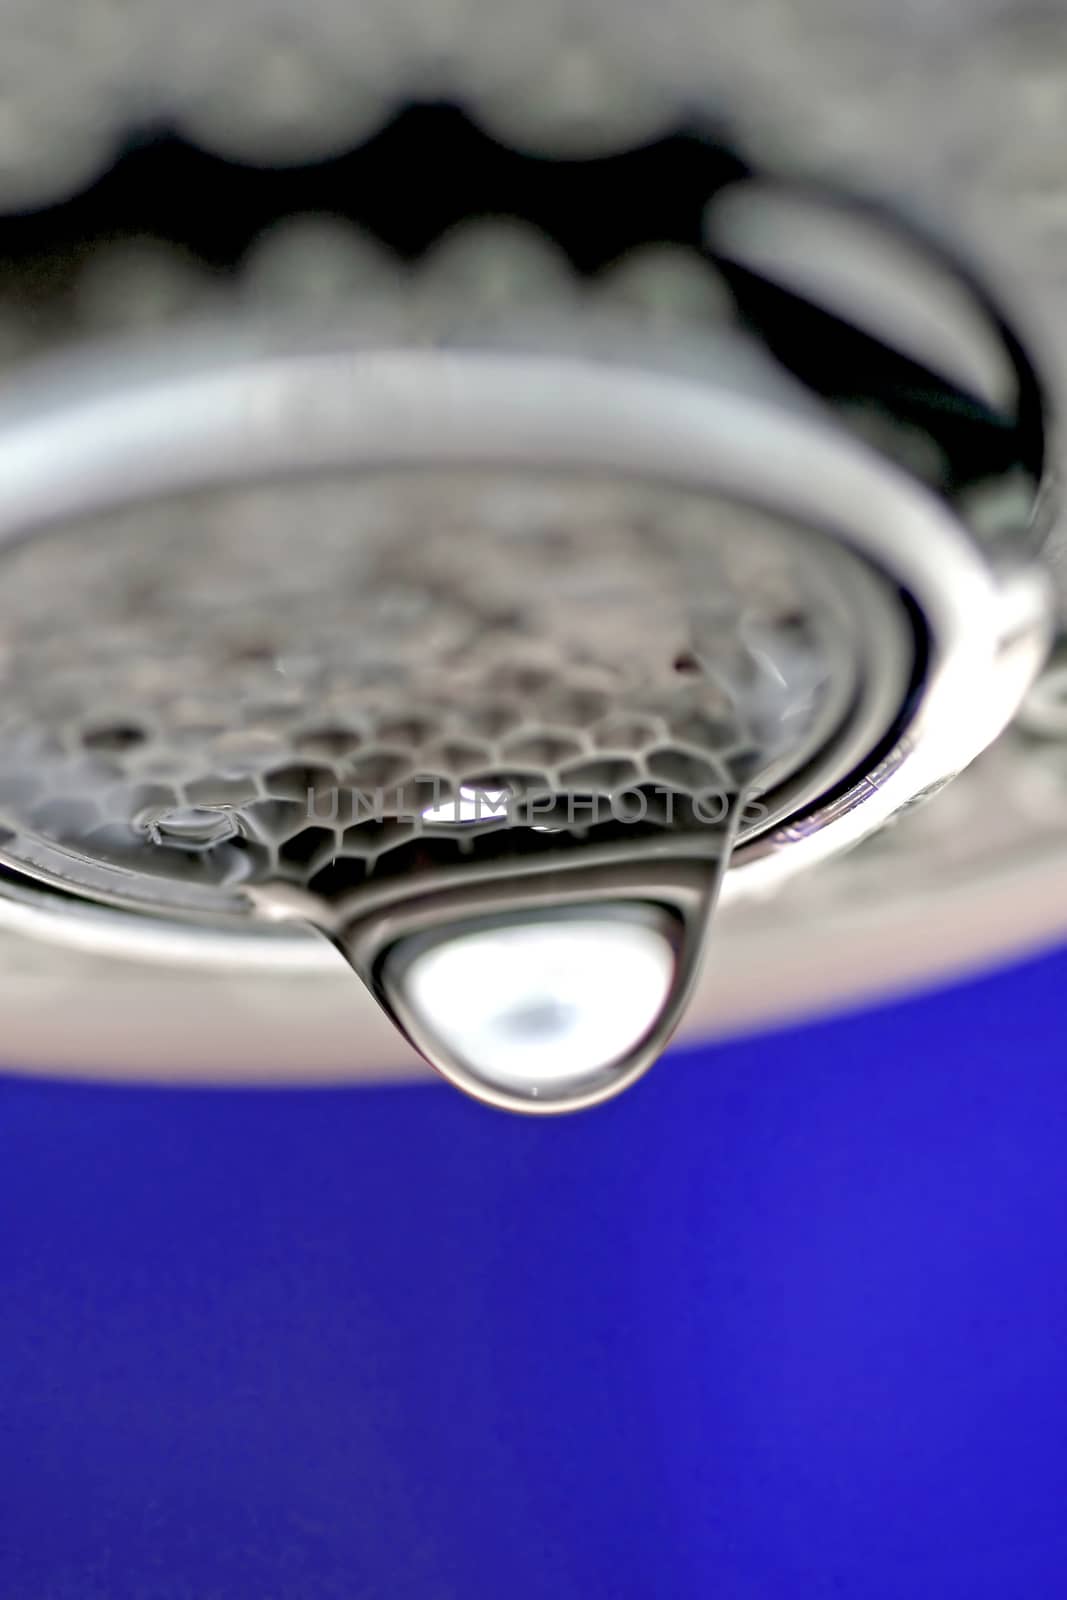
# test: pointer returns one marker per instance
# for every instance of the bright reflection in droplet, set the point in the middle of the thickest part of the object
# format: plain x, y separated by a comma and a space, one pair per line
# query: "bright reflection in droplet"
536, 1004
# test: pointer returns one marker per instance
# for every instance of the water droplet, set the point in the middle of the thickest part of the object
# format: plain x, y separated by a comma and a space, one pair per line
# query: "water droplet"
545, 1002
193, 827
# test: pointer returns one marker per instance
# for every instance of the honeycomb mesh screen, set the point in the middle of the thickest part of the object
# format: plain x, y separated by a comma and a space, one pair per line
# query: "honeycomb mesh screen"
207, 691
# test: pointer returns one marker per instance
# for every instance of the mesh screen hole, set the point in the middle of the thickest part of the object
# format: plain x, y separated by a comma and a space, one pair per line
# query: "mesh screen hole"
114, 736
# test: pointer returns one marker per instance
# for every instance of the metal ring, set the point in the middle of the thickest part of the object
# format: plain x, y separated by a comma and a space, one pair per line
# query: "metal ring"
159, 423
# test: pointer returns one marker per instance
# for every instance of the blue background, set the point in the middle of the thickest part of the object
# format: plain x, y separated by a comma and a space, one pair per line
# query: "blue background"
790, 1319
